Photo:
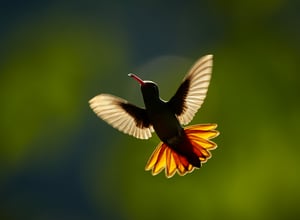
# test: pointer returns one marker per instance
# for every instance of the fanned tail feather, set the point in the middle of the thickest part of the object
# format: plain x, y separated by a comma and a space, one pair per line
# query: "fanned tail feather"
166, 158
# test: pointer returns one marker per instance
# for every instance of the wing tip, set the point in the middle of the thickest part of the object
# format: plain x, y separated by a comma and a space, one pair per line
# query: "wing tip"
98, 97
92, 100
210, 56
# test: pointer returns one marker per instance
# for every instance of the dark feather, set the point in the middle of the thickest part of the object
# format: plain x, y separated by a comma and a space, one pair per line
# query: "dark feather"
177, 102
140, 115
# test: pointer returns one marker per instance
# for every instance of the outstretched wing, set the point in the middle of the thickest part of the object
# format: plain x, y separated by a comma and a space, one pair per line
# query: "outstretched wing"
122, 115
192, 91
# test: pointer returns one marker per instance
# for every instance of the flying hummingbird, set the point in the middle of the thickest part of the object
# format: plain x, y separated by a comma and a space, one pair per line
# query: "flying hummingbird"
182, 148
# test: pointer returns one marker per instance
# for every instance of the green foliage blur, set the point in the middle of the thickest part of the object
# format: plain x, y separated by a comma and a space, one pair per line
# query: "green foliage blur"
59, 161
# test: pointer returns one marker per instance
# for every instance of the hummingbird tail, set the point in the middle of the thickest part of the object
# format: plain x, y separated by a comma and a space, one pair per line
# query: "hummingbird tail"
197, 138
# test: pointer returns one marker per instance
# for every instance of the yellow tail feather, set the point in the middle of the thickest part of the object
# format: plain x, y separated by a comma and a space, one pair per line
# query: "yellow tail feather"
166, 158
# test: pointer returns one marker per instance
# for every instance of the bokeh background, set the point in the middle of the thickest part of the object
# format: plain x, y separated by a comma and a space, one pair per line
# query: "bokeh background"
59, 161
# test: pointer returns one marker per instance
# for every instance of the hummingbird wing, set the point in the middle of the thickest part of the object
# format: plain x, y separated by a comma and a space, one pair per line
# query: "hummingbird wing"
122, 115
192, 91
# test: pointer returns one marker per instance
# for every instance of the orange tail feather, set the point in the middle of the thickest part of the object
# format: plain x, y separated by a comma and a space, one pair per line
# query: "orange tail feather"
166, 158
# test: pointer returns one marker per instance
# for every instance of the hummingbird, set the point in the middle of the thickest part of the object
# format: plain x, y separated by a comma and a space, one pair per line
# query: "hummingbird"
182, 149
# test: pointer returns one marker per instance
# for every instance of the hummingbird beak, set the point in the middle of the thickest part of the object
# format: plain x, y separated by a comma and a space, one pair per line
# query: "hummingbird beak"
140, 81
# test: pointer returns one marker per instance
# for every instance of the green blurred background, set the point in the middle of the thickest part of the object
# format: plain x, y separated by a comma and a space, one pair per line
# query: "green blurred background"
59, 161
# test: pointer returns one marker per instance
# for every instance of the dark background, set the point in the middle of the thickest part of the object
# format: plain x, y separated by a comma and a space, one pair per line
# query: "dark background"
59, 161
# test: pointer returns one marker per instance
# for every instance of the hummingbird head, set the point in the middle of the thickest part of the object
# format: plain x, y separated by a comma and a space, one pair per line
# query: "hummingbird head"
149, 88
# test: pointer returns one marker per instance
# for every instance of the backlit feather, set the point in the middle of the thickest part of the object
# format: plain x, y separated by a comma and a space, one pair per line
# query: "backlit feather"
122, 115
166, 158
192, 91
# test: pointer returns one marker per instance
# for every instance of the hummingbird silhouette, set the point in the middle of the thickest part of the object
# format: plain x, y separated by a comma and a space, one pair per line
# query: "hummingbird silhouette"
181, 149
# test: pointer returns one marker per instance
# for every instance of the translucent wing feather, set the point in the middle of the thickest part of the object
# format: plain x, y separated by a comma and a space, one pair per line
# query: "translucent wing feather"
192, 91
122, 115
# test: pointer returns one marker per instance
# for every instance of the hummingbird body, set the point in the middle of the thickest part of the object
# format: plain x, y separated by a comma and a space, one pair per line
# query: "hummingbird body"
165, 123
160, 115
182, 148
